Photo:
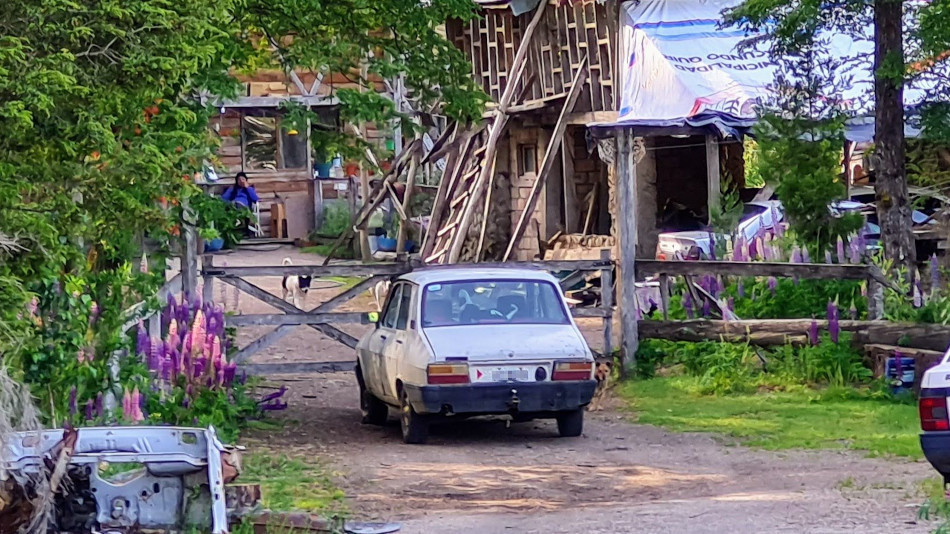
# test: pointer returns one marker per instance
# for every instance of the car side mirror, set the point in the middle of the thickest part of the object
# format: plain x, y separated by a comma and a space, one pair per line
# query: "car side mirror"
370, 318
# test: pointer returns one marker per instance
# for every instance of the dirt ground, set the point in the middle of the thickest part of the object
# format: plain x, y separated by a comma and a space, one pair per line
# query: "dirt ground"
481, 476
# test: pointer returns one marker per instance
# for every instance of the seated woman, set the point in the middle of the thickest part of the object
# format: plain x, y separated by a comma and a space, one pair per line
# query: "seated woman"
242, 195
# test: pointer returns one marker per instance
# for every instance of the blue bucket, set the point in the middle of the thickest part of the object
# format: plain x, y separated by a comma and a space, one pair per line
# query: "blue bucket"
900, 379
387, 244
214, 245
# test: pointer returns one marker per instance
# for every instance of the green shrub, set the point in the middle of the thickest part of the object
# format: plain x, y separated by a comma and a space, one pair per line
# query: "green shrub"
336, 219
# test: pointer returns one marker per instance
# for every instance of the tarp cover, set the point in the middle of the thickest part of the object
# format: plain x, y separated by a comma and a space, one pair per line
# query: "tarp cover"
681, 70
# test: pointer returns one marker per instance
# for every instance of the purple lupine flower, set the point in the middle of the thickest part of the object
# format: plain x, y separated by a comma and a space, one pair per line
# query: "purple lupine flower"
855, 253
813, 333
806, 258
739, 250
828, 259
918, 295
834, 329
731, 304
688, 305
839, 248
753, 250
796, 254
705, 307
73, 408
141, 342
99, 410
229, 372
740, 288
273, 396
90, 410
772, 283
167, 368
934, 273
186, 402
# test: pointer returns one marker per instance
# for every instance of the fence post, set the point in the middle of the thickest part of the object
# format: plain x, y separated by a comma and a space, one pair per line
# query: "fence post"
626, 170
875, 300
189, 256
207, 281
607, 301
665, 295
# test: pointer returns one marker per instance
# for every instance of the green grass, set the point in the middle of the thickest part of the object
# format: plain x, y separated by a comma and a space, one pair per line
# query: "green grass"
806, 419
304, 484
324, 250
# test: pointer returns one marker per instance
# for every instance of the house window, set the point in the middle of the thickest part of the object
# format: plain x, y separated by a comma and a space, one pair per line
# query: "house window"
527, 159
268, 146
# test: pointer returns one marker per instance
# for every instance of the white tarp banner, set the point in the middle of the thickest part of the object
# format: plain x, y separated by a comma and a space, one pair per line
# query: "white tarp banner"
681, 68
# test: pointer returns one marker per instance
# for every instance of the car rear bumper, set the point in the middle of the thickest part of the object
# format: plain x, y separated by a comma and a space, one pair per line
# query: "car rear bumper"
487, 399
936, 447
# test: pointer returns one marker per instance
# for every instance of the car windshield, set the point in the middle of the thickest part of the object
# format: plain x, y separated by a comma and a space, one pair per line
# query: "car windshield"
492, 302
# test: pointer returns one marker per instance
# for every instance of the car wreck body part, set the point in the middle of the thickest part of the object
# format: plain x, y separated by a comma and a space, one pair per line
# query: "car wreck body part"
177, 479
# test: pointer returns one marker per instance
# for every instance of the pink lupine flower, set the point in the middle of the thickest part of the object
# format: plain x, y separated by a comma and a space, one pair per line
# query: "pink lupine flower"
81, 355
806, 258
813, 333
773, 284
143, 265
32, 306
839, 248
93, 313
127, 405
198, 331
136, 402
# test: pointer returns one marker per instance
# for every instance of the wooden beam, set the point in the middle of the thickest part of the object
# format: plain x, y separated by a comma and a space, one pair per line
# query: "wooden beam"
607, 301
486, 211
627, 244
281, 319
571, 206
816, 271
316, 271
552, 150
771, 332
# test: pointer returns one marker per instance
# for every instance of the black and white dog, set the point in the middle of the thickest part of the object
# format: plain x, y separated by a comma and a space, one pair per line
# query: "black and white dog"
295, 286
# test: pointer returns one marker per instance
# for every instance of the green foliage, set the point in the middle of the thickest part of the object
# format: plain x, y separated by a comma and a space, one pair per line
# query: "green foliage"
855, 419
336, 219
294, 483
730, 368
802, 158
750, 156
724, 217
219, 218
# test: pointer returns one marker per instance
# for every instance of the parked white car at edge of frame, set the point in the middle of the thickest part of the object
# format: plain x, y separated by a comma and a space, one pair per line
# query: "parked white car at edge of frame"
453, 342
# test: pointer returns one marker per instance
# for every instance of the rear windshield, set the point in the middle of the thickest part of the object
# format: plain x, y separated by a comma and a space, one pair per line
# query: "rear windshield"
492, 302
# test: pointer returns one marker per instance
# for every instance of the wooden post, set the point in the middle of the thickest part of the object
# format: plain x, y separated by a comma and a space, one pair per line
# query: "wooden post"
665, 295
607, 301
627, 211
407, 196
189, 255
713, 185
351, 203
207, 281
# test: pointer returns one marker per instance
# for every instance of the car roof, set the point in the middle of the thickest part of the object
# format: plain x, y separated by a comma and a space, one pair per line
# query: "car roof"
451, 273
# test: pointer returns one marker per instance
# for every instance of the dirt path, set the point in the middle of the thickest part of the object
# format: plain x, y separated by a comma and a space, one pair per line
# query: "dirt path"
482, 477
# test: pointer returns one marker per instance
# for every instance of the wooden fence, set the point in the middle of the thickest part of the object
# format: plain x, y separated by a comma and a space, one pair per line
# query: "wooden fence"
324, 318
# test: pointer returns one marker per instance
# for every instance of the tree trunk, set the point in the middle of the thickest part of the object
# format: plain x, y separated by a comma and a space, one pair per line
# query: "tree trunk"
894, 212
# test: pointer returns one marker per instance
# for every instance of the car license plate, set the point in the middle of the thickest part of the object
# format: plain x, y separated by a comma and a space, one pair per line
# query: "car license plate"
502, 374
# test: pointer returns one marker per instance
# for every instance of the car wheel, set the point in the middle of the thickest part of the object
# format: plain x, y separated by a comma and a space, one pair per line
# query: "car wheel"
570, 424
415, 429
375, 411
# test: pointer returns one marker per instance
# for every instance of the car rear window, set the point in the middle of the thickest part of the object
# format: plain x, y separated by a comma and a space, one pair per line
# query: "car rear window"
492, 302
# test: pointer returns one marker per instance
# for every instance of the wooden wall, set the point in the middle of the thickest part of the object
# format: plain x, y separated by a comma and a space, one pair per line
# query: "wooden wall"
568, 31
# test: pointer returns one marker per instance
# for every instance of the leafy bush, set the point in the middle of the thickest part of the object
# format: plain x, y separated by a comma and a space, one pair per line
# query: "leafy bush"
732, 368
220, 218
336, 219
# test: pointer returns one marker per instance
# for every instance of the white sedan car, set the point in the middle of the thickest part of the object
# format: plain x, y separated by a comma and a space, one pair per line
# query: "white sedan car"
475, 341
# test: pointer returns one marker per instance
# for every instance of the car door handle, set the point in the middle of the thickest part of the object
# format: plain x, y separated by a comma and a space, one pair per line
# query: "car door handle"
383, 338
399, 342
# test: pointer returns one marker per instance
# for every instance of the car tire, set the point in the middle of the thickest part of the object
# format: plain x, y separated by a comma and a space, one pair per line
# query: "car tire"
374, 411
570, 424
415, 427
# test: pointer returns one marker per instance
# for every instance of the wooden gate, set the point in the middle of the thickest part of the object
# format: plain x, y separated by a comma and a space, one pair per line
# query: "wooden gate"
324, 319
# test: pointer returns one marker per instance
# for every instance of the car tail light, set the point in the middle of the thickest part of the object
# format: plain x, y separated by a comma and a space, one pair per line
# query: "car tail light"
933, 413
573, 371
448, 373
